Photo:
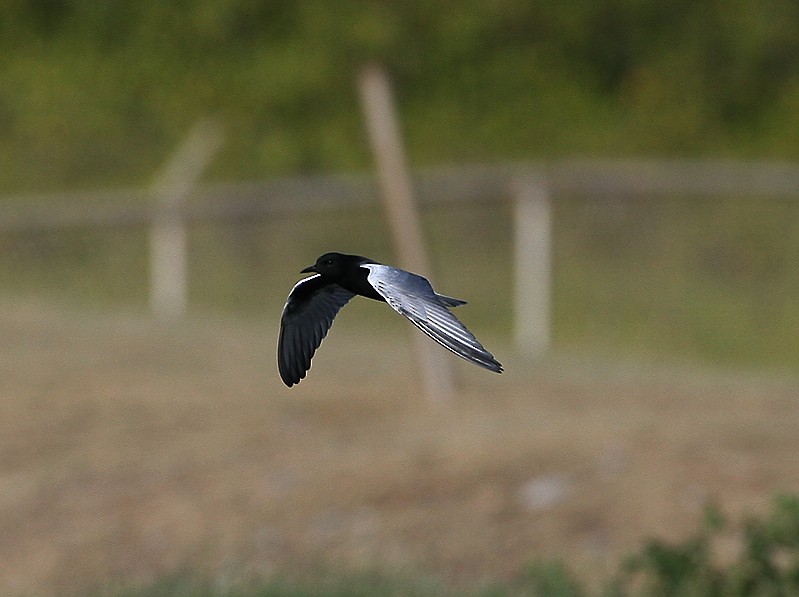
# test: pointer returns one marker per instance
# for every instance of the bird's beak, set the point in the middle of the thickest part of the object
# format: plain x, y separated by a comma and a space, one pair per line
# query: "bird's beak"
308, 270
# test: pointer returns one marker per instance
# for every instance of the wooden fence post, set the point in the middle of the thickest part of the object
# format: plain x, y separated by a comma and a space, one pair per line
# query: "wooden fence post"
403, 216
168, 247
533, 256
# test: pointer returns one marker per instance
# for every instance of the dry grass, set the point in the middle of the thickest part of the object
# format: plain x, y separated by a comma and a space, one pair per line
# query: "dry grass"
132, 451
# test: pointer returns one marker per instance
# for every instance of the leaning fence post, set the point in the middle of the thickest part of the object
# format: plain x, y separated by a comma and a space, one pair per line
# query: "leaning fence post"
533, 256
168, 246
403, 216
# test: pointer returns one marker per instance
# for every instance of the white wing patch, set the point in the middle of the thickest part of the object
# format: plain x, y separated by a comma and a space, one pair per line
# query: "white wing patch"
413, 296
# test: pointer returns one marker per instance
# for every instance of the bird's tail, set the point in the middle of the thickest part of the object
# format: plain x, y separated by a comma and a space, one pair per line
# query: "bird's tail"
448, 301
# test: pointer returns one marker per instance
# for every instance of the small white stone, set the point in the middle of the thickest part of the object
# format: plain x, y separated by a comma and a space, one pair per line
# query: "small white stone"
544, 492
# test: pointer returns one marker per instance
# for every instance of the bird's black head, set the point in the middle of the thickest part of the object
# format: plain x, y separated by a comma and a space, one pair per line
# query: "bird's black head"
333, 265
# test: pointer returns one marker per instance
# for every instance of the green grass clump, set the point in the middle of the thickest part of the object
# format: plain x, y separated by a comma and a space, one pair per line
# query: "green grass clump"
767, 562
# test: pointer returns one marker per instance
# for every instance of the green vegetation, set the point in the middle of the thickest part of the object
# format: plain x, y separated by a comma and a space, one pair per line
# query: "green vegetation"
766, 564
99, 92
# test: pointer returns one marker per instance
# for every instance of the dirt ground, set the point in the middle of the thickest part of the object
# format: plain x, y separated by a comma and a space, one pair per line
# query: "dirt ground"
130, 451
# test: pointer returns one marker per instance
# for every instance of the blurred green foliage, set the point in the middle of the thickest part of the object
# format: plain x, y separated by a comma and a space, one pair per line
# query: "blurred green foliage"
100, 92
767, 562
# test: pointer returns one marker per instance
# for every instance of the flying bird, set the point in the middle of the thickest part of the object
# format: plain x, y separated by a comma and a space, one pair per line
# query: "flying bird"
314, 302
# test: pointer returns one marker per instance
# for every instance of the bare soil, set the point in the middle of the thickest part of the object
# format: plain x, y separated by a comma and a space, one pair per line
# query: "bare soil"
131, 451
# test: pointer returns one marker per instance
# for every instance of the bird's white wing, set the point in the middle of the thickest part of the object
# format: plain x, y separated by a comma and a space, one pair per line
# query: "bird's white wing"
307, 316
413, 296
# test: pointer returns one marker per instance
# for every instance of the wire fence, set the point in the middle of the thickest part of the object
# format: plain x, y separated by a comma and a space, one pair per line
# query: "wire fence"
530, 188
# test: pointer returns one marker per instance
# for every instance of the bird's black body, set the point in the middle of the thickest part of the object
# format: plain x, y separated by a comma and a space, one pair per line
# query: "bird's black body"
314, 302
344, 270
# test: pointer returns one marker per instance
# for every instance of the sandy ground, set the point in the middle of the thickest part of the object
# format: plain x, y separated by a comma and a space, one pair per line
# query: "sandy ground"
130, 451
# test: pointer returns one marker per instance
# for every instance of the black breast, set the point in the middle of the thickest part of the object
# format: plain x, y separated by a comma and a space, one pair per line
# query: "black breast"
354, 280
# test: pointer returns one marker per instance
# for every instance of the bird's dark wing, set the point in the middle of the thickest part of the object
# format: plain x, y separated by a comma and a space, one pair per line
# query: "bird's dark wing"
307, 316
413, 297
